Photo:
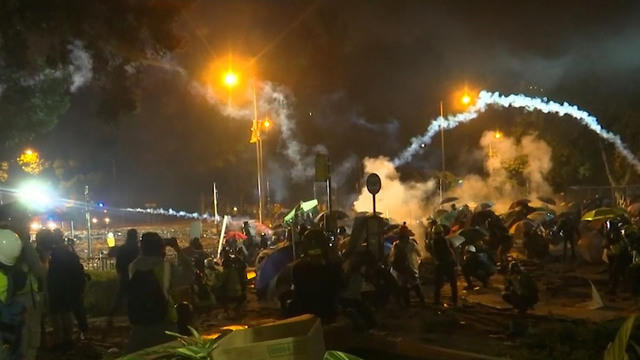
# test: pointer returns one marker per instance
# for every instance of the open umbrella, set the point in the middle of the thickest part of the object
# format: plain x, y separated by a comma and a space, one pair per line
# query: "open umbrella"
483, 206
473, 234
634, 209
541, 217
235, 235
303, 207
456, 240
603, 213
272, 265
519, 228
337, 214
547, 200
519, 203
448, 200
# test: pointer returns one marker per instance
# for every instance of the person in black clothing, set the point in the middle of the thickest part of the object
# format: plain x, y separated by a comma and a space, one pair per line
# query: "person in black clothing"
568, 230
316, 281
65, 285
125, 254
445, 265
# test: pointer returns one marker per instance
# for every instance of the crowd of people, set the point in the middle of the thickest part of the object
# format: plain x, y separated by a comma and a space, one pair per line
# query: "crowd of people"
315, 269
40, 286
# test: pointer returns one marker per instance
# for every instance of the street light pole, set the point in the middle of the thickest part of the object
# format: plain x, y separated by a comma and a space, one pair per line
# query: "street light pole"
442, 151
258, 149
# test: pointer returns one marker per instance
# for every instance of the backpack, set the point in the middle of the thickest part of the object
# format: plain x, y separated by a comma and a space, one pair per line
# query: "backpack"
147, 301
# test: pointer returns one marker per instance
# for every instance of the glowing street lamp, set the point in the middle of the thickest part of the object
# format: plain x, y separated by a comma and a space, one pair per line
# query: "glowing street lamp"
107, 221
498, 135
94, 220
230, 79
466, 99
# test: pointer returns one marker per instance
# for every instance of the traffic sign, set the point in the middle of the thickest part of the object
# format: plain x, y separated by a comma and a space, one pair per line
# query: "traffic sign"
374, 184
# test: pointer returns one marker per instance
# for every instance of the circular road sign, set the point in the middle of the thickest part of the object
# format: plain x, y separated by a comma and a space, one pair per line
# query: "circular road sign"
374, 184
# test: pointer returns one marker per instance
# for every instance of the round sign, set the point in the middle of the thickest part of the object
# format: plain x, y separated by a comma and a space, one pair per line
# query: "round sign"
374, 184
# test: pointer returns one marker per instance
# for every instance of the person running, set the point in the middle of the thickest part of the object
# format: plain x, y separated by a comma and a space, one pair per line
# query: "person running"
444, 257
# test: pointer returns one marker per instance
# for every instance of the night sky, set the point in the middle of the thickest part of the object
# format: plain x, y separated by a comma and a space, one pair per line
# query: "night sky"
366, 77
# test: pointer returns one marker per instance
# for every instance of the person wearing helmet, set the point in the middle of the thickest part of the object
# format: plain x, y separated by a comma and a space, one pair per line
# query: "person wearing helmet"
520, 289
20, 306
444, 257
476, 263
316, 280
568, 230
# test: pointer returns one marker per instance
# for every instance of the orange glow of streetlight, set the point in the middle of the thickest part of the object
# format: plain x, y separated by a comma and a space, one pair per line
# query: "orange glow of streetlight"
498, 134
466, 99
266, 123
230, 79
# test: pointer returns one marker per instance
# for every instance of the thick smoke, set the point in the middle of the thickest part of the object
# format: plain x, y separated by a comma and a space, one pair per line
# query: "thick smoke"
530, 160
402, 201
81, 66
486, 99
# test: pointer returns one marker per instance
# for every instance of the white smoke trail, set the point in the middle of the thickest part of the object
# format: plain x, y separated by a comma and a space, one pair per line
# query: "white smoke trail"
171, 212
274, 100
486, 98
80, 67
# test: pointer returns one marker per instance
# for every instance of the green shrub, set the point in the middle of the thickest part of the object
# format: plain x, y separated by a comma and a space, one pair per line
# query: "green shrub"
101, 292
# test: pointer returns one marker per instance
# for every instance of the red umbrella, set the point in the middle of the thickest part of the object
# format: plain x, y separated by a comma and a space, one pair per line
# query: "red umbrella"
235, 235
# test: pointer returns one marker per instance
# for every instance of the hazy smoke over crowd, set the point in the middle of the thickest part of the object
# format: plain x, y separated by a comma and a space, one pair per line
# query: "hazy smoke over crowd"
403, 201
515, 169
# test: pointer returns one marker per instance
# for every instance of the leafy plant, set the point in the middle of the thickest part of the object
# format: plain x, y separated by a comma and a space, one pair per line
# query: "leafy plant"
194, 347
617, 350
338, 355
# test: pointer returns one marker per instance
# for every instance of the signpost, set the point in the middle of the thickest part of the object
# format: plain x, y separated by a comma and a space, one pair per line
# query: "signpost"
374, 184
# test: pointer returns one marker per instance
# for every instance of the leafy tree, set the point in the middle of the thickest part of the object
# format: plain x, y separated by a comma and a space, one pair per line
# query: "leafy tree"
49, 48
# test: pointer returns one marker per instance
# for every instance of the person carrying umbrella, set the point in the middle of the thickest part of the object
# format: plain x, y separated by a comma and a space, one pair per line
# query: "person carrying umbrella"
444, 256
632, 237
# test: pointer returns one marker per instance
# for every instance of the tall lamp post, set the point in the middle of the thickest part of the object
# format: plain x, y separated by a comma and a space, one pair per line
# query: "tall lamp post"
230, 80
466, 101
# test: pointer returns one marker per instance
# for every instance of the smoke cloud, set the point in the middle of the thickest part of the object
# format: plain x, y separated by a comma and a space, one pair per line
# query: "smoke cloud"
81, 66
402, 201
515, 169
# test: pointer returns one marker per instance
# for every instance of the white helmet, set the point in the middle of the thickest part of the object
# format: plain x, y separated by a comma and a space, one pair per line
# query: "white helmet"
10, 247
471, 248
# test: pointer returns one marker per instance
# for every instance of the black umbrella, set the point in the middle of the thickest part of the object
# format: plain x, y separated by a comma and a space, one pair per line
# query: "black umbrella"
473, 234
448, 200
519, 203
547, 200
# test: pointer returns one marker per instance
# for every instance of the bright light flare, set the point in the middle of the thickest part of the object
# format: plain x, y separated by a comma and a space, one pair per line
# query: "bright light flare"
466, 99
94, 220
498, 135
230, 79
51, 225
266, 124
36, 195
35, 226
